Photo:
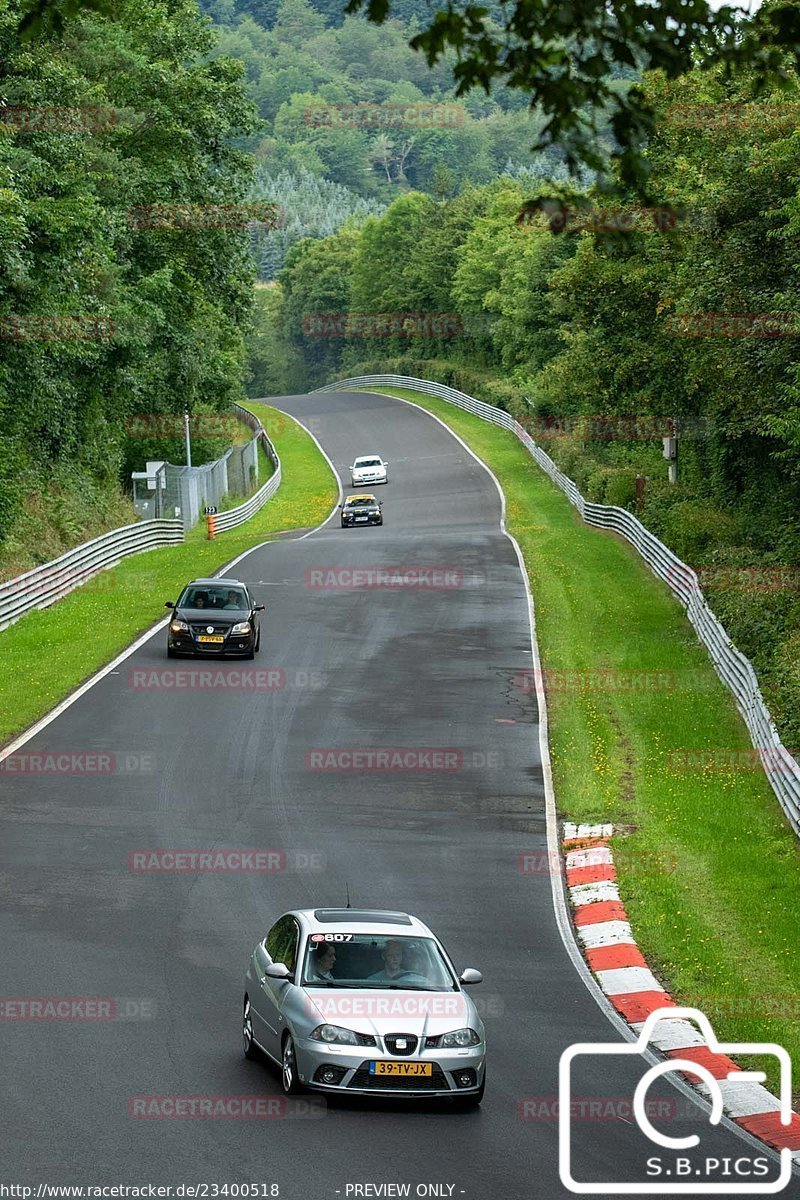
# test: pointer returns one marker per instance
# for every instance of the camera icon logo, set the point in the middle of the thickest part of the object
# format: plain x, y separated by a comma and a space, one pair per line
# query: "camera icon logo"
734, 1186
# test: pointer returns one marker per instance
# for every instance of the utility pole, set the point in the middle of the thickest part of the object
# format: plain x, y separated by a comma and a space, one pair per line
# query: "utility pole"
188, 439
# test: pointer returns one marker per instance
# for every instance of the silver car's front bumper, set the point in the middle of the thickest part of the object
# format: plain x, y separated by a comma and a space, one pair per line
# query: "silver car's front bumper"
356, 1079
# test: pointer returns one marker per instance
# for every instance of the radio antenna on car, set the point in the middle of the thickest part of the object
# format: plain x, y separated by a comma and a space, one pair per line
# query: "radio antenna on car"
347, 889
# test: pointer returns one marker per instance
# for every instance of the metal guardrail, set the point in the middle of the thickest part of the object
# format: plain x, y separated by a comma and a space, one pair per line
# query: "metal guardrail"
237, 516
734, 669
45, 584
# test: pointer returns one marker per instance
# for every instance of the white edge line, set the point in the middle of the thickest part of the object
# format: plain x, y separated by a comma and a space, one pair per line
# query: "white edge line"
80, 691
553, 845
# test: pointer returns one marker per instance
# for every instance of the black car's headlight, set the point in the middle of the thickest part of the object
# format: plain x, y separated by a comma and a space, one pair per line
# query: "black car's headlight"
334, 1034
242, 627
178, 627
461, 1037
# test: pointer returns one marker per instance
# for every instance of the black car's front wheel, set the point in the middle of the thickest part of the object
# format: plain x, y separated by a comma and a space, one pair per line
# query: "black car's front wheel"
291, 1084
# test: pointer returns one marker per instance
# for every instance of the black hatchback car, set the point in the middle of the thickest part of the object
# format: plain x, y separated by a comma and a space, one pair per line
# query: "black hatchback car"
361, 510
214, 617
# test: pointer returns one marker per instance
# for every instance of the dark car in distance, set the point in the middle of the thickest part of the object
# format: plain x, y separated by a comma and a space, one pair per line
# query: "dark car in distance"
361, 510
214, 617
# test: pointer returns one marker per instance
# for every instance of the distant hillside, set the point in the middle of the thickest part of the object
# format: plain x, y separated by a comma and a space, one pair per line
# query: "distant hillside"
307, 68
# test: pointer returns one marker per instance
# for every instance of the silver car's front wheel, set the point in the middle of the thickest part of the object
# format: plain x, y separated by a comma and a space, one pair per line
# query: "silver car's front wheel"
291, 1084
248, 1044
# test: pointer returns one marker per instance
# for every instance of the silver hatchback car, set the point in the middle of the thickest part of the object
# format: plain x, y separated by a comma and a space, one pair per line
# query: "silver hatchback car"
363, 1002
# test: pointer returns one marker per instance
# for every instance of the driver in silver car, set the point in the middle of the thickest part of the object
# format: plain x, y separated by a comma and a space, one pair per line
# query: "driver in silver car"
322, 962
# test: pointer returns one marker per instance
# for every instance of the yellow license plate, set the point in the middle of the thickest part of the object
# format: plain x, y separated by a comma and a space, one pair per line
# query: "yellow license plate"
400, 1068
204, 638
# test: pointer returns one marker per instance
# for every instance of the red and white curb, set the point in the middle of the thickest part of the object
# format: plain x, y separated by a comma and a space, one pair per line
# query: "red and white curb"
610, 948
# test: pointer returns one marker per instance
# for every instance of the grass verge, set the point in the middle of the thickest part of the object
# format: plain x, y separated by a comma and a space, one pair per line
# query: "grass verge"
47, 654
709, 869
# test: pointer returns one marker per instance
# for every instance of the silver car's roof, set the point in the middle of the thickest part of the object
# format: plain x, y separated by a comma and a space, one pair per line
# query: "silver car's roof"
366, 920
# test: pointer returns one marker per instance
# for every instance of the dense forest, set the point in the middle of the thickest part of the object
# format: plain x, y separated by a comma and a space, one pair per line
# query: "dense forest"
103, 315
601, 342
324, 84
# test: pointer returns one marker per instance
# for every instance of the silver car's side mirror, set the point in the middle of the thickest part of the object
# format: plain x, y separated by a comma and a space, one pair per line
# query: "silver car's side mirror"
278, 971
470, 976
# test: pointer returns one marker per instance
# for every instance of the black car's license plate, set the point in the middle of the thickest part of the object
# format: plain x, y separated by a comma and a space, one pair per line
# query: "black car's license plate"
362, 518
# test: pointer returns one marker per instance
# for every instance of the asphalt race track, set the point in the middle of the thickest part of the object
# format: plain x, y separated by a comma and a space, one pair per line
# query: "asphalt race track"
418, 668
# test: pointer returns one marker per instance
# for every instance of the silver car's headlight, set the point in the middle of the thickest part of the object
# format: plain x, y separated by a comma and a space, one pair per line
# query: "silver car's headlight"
335, 1034
179, 627
461, 1037
241, 627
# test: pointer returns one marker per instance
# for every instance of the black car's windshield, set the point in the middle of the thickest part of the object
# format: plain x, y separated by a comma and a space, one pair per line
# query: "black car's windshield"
363, 502
367, 960
200, 596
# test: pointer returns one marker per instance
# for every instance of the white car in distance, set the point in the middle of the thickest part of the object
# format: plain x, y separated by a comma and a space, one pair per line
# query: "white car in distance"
369, 468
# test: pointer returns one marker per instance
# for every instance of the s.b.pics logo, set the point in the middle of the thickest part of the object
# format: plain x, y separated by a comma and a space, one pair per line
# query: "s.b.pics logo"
667, 1149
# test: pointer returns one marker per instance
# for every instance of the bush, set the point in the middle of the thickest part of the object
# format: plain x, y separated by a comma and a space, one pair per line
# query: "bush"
621, 487
694, 529
596, 484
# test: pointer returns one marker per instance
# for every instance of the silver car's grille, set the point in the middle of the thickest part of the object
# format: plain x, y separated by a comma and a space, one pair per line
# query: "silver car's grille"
435, 1082
400, 1043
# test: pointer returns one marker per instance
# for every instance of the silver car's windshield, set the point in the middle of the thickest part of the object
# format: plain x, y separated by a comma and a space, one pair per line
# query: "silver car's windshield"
369, 462
367, 960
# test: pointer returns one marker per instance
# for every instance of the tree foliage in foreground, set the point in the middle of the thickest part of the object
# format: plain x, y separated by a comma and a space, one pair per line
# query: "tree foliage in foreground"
173, 301
565, 56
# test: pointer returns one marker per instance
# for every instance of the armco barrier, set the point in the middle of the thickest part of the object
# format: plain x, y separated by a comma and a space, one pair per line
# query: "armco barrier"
51, 581
237, 516
733, 668
45, 584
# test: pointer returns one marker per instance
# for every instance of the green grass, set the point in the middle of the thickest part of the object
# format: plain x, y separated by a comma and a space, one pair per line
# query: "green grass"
47, 654
709, 869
